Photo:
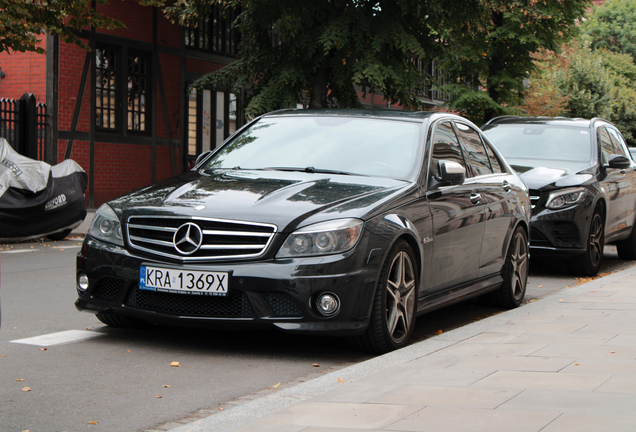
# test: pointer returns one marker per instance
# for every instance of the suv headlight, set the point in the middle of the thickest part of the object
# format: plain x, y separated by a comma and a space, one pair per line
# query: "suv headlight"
323, 238
565, 198
106, 226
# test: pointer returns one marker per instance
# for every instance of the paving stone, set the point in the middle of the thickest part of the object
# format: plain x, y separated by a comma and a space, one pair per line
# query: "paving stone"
518, 363
543, 380
447, 396
588, 351
440, 419
584, 423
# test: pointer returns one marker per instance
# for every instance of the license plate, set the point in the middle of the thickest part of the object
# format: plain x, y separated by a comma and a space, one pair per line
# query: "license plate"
183, 281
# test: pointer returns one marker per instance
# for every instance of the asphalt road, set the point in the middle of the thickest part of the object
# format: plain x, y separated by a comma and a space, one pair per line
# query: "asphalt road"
86, 376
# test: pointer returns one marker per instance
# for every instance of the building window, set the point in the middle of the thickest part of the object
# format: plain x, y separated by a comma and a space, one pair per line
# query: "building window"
138, 89
212, 117
106, 89
111, 69
215, 33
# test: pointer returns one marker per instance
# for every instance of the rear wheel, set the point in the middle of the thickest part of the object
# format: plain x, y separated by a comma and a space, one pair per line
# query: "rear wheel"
627, 248
394, 305
122, 321
589, 263
514, 273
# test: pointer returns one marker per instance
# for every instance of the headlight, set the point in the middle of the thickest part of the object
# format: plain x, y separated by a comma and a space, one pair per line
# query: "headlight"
323, 238
565, 198
106, 227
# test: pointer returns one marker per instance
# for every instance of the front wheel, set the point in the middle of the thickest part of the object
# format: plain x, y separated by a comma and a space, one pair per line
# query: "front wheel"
589, 263
394, 305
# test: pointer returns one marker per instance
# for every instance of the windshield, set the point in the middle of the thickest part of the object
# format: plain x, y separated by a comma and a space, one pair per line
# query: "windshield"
347, 145
535, 145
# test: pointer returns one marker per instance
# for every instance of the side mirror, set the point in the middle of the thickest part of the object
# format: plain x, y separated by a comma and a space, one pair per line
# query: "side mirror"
451, 172
202, 156
618, 161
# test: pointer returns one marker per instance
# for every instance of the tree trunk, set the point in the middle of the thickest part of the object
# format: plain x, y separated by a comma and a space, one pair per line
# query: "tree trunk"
320, 85
496, 64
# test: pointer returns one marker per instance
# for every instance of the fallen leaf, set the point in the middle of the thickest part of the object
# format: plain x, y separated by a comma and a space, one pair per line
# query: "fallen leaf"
175, 364
576, 364
92, 422
341, 380
129, 351
439, 332
315, 365
19, 380
540, 286
613, 352
26, 389
165, 386
220, 409
276, 386
3, 355
158, 397
43, 349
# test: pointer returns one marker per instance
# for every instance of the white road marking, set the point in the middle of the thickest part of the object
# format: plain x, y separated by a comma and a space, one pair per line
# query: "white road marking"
59, 338
38, 250
20, 251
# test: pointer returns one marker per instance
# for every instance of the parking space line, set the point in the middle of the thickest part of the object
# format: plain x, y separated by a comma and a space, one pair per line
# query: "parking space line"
58, 338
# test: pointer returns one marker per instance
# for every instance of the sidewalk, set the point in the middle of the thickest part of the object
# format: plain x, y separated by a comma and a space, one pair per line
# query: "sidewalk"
566, 362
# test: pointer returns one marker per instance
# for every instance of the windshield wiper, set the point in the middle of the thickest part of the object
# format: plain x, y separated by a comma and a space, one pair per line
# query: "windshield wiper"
310, 170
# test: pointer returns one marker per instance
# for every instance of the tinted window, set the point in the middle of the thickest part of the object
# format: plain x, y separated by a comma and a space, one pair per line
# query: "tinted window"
541, 142
617, 140
607, 148
476, 155
445, 147
363, 146
494, 160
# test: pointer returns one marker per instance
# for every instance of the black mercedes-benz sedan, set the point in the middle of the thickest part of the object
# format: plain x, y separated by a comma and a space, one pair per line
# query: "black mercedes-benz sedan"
582, 184
339, 222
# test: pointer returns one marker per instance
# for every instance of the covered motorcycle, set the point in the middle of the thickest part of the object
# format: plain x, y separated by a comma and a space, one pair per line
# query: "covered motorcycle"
37, 199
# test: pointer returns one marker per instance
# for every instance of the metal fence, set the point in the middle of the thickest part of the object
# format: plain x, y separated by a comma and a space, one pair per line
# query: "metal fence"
24, 124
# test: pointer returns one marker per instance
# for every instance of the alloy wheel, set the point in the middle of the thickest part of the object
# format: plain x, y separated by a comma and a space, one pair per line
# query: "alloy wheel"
400, 297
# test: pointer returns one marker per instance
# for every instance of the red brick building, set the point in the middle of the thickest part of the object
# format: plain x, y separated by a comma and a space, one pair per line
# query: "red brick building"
121, 110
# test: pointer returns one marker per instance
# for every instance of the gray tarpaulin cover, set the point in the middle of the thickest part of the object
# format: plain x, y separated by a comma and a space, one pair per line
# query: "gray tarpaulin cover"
37, 199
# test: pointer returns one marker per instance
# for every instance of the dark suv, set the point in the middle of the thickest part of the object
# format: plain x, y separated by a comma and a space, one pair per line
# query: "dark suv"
582, 184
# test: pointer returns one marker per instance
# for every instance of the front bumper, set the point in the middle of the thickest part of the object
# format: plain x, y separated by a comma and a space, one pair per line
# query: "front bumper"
269, 293
559, 233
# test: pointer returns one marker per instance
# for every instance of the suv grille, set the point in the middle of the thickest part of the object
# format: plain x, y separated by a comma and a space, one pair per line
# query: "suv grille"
205, 239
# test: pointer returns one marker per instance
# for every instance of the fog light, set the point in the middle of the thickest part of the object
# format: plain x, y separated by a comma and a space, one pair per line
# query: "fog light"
82, 282
328, 304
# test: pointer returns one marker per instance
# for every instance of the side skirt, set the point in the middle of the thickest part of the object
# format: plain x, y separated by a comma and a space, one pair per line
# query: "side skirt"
458, 294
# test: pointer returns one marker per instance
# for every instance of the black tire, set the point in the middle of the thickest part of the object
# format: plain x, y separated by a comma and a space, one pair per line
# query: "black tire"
589, 263
59, 235
514, 273
122, 321
394, 305
627, 248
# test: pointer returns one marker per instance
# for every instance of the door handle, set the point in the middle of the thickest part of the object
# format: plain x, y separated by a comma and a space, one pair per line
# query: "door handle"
475, 198
506, 186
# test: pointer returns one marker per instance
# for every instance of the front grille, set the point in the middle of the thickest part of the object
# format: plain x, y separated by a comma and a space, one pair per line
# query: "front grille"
108, 288
282, 305
235, 305
221, 239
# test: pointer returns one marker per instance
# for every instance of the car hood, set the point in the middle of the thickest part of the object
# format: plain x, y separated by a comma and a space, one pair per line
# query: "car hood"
551, 178
286, 199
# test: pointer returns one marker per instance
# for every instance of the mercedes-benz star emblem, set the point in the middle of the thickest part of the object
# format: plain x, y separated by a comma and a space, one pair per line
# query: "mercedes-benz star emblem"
188, 238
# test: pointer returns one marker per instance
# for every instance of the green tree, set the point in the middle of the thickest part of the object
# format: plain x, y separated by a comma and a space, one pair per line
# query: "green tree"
328, 50
613, 26
495, 48
23, 22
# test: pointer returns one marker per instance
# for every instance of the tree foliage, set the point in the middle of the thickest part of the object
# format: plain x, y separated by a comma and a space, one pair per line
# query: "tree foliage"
613, 26
496, 47
23, 22
328, 50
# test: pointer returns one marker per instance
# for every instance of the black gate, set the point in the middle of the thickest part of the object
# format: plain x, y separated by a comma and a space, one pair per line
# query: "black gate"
23, 123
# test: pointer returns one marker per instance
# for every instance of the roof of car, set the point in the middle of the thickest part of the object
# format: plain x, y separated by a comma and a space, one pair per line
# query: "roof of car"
563, 121
384, 113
